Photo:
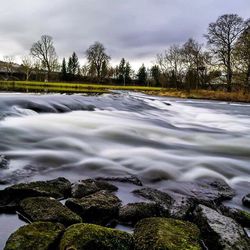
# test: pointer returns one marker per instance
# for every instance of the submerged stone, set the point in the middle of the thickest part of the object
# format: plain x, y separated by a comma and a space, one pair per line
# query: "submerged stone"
246, 200
208, 191
133, 212
219, 231
175, 205
93, 237
129, 179
99, 208
11, 196
38, 235
166, 234
47, 209
90, 186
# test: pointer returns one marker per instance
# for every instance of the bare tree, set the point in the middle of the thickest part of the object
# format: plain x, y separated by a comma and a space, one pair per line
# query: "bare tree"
97, 59
195, 59
221, 38
45, 51
242, 54
27, 65
171, 64
9, 66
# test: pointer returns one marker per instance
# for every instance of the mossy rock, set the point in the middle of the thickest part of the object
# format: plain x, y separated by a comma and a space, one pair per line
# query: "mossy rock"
90, 186
57, 188
11, 196
93, 237
48, 209
38, 235
133, 212
98, 208
166, 234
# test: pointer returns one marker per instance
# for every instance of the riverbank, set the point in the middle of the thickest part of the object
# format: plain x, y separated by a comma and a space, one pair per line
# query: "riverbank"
60, 87
93, 214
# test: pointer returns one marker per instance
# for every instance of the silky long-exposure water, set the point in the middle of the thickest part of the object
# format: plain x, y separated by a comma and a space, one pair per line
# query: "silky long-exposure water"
121, 134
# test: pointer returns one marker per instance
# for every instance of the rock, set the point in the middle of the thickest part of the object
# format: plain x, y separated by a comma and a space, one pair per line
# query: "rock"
89, 236
98, 208
11, 196
130, 179
219, 231
38, 235
242, 217
4, 162
90, 186
165, 233
176, 205
47, 209
208, 191
133, 212
246, 200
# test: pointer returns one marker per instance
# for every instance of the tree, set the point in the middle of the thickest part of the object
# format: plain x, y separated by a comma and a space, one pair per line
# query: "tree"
142, 75
74, 63
155, 73
121, 71
45, 51
64, 70
171, 64
27, 65
195, 60
221, 38
9, 66
70, 66
242, 54
127, 73
97, 57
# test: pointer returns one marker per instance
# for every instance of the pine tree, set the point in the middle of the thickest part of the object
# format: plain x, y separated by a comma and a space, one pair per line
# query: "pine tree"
75, 63
64, 70
142, 75
127, 72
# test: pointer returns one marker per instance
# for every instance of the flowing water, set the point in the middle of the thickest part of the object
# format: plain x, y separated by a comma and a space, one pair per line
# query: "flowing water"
121, 134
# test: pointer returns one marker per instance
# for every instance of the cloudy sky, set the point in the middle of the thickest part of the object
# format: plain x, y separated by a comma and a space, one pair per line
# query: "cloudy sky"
134, 29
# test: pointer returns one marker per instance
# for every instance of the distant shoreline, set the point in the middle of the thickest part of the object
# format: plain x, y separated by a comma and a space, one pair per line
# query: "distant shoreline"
70, 88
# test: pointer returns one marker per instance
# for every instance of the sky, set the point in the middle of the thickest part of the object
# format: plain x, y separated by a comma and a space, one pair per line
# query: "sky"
134, 29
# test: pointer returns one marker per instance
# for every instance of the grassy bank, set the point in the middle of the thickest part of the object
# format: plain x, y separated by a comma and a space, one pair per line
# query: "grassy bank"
60, 87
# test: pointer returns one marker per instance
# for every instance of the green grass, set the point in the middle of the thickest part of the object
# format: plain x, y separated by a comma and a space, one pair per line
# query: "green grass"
68, 87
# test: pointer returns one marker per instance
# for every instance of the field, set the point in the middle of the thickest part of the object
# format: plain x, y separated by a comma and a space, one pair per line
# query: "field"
61, 87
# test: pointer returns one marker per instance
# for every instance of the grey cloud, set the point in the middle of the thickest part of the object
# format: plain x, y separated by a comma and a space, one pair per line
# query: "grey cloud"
135, 29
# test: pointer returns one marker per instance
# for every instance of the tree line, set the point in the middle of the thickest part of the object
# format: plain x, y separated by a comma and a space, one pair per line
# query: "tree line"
223, 63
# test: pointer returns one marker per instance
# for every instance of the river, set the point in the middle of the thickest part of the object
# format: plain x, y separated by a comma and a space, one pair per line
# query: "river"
123, 133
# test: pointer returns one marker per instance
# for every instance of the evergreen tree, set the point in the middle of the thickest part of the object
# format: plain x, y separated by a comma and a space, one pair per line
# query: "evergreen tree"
142, 75
64, 70
74, 63
155, 73
121, 70
70, 66
127, 72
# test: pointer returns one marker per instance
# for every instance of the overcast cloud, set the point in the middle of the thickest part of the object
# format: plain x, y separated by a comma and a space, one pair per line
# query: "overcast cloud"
134, 29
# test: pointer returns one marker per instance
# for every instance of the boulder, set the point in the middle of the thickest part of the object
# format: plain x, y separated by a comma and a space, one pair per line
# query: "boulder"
133, 212
11, 196
98, 208
38, 235
175, 205
241, 216
165, 234
207, 191
47, 209
129, 179
219, 231
90, 186
89, 236
246, 200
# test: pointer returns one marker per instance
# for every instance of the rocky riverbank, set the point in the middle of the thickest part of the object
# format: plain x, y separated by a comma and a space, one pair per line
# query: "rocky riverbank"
64, 215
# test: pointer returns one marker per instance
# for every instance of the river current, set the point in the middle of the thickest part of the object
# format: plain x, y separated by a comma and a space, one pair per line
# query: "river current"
121, 134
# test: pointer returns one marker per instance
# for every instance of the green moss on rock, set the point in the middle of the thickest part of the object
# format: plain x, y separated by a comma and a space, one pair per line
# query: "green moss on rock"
98, 208
93, 237
47, 209
38, 235
166, 234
